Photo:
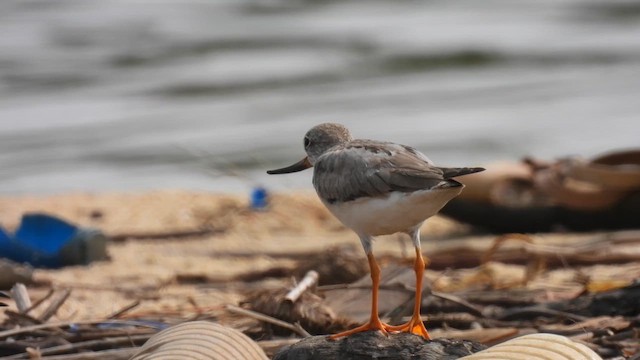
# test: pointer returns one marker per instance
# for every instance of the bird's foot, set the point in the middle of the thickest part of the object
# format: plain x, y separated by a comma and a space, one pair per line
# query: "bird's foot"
372, 325
414, 326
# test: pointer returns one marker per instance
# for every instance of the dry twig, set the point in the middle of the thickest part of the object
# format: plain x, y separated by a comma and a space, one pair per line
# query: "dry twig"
262, 317
124, 310
55, 305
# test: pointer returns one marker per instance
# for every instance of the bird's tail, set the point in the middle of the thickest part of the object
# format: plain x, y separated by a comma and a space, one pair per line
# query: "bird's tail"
449, 173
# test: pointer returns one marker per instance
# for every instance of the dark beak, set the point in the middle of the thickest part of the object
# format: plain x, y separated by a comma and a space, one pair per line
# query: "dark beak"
299, 166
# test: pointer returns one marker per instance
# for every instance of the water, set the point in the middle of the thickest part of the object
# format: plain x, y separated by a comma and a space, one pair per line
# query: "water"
128, 95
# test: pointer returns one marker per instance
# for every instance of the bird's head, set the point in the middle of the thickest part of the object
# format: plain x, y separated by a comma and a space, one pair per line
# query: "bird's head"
317, 141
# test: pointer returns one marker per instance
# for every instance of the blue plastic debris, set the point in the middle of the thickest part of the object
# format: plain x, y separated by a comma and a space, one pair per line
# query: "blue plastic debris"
120, 324
45, 241
259, 198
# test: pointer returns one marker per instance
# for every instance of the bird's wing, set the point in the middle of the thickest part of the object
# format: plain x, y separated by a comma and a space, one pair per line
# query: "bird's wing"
365, 168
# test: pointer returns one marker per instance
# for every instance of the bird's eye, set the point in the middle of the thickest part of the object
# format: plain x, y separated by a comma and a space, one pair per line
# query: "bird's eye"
306, 141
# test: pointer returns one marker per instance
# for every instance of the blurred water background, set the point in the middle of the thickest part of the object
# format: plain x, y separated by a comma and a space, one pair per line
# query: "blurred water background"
102, 95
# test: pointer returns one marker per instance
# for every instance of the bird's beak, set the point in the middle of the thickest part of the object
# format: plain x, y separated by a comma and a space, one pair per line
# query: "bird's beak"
299, 166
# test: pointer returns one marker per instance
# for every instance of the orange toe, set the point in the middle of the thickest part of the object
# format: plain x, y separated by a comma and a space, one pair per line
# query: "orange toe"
372, 325
414, 326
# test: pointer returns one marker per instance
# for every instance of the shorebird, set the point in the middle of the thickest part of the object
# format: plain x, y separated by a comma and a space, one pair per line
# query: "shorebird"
378, 188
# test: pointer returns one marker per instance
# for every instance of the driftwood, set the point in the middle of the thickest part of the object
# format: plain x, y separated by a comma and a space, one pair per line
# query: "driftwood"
619, 302
624, 301
310, 311
164, 235
374, 345
605, 248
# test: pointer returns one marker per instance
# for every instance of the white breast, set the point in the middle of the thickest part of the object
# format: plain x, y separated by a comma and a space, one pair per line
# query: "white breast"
396, 212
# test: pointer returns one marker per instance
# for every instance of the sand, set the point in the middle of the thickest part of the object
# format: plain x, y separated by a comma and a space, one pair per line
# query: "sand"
241, 240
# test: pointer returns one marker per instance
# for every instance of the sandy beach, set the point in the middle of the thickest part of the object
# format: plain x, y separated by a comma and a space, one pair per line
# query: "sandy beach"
180, 255
236, 240
241, 240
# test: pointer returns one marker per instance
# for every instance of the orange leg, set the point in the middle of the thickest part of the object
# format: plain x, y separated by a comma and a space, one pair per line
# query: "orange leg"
415, 325
374, 322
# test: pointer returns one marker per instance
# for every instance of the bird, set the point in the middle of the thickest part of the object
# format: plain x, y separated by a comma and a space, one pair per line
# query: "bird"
378, 188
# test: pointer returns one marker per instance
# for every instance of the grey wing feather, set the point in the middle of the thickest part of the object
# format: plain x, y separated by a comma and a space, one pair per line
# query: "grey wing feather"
366, 169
